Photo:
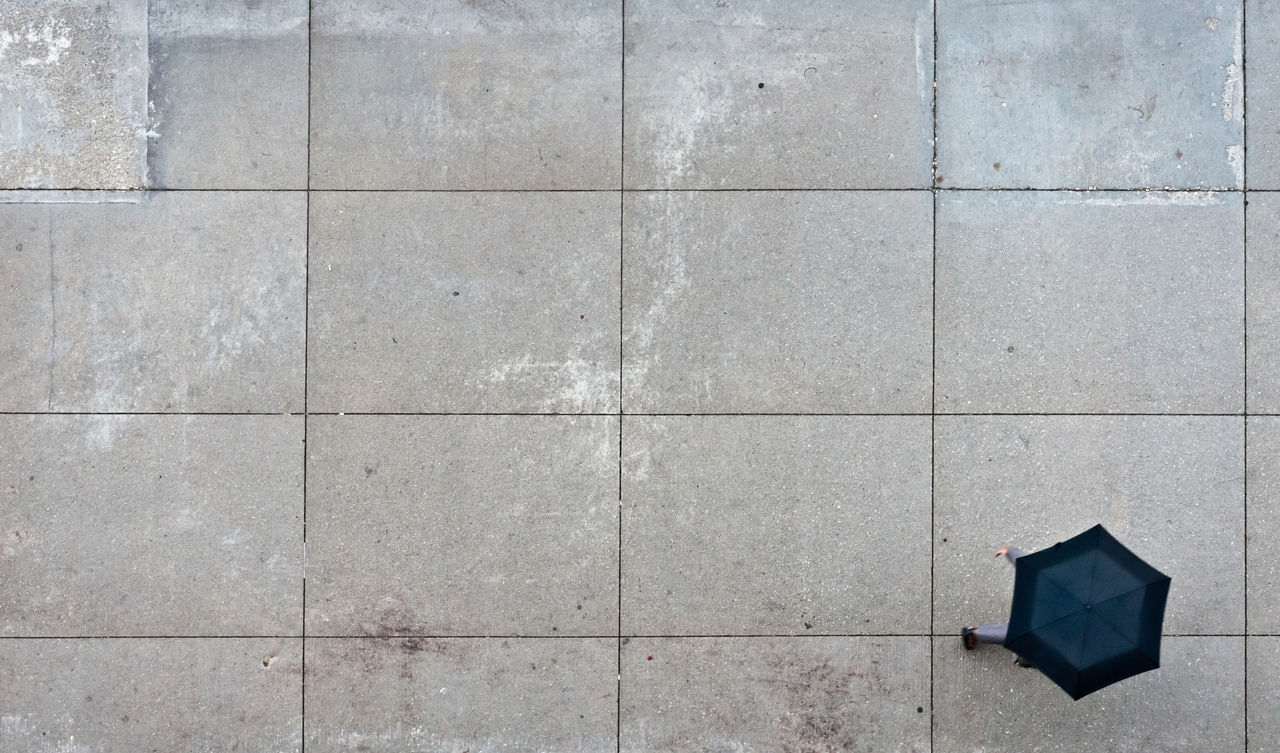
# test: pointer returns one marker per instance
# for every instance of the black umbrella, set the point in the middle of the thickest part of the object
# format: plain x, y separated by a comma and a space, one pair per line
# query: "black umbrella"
1087, 612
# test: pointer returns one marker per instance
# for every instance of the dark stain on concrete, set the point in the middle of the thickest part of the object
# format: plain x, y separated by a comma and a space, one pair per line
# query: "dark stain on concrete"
816, 699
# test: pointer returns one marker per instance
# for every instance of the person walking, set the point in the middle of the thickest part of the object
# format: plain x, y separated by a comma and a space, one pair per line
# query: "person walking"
993, 632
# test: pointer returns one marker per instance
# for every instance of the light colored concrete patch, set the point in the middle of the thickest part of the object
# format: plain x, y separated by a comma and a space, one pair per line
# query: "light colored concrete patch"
1194, 702
777, 302
150, 525
73, 93
1071, 302
1077, 95
815, 94
775, 525
775, 694
451, 694
228, 94
1169, 488
459, 95
135, 694
183, 302
462, 525
450, 302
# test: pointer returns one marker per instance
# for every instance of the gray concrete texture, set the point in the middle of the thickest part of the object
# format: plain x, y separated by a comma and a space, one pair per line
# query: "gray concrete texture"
118, 694
775, 302
812, 94
159, 301
476, 302
470, 375
73, 97
775, 524
1091, 95
1193, 702
227, 94
462, 525
97, 505
1264, 523
457, 694
465, 95
1137, 308
850, 693
1263, 302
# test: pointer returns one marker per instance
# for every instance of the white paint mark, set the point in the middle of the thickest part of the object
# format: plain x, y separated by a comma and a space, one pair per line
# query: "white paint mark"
1212, 23
691, 109
670, 280
103, 431
1232, 87
66, 197
185, 520
276, 563
1124, 199
574, 385
922, 87
45, 44
1235, 158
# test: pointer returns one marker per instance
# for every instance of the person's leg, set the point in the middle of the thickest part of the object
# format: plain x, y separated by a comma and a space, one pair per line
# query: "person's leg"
992, 633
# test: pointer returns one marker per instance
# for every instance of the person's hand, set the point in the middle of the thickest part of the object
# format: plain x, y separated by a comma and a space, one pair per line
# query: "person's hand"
1002, 550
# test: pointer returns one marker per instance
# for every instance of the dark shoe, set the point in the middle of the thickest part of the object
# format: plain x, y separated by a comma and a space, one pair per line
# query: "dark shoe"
1019, 661
970, 638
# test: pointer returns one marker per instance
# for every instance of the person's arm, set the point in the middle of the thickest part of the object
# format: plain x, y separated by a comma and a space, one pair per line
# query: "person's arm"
1012, 552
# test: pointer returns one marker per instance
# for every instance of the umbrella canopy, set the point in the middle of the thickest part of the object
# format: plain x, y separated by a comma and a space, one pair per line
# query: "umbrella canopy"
1087, 612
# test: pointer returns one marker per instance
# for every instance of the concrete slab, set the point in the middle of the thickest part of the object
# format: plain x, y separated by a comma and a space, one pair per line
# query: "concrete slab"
181, 302
785, 694
1069, 302
26, 308
487, 302
1263, 104
455, 694
1264, 524
1169, 488
228, 94
1080, 95
1262, 244
462, 525
151, 525
1263, 675
1193, 702
821, 94
73, 94
777, 302
466, 95
151, 694
775, 525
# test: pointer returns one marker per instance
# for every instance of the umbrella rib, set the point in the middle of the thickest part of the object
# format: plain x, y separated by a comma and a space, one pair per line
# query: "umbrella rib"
1055, 620
1125, 593
1093, 577
1093, 582
1112, 598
